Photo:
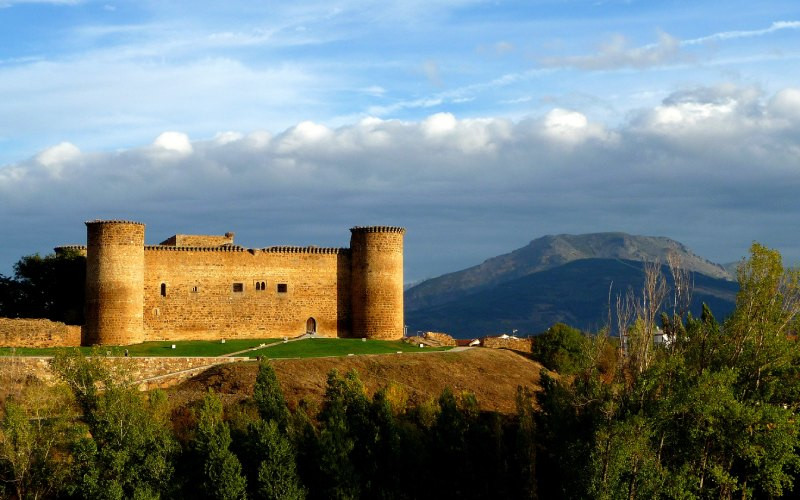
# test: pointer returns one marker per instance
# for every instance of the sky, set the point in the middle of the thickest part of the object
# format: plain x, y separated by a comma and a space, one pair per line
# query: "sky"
477, 125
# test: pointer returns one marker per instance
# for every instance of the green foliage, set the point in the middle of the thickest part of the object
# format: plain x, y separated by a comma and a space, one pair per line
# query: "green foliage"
277, 471
268, 396
49, 287
129, 449
560, 348
336, 441
714, 414
222, 472
34, 432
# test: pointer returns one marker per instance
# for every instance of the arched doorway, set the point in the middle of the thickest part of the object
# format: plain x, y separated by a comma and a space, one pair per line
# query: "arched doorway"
311, 325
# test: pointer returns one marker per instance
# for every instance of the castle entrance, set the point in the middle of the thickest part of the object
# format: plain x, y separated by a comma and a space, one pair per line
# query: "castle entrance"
311, 325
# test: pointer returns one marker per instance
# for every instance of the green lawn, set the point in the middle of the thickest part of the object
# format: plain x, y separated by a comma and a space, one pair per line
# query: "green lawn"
308, 348
319, 347
187, 348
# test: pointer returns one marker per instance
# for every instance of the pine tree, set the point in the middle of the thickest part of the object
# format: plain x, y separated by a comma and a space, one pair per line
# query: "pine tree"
277, 470
222, 471
268, 396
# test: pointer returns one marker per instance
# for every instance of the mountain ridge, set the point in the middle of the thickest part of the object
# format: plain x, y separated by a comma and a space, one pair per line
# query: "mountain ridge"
576, 293
551, 251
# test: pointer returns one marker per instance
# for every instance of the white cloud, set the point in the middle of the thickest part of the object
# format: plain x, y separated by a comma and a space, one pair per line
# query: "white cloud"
786, 103
58, 154
55, 158
439, 124
725, 157
304, 134
228, 137
174, 142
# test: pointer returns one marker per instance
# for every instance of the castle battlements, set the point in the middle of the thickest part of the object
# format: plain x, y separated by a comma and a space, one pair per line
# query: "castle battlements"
206, 287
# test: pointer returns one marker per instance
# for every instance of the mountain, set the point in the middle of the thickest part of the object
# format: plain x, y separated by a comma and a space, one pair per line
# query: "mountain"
575, 293
550, 252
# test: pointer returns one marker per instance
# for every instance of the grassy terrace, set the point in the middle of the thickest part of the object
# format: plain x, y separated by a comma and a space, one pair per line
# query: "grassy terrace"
186, 348
320, 347
309, 348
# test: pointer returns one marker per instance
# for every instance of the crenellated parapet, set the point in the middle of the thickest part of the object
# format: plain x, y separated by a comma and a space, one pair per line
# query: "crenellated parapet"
234, 248
79, 249
378, 229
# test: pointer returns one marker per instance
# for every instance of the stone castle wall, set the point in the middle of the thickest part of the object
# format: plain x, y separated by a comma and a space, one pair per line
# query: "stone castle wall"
211, 293
114, 282
38, 333
198, 240
377, 281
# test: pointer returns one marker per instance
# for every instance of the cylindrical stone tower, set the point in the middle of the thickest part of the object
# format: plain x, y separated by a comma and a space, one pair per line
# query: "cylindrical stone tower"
376, 256
114, 283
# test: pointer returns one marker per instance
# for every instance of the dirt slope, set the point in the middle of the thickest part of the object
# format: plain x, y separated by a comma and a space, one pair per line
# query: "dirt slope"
492, 374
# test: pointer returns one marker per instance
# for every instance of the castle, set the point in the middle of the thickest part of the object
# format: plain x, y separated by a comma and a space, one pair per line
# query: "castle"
193, 287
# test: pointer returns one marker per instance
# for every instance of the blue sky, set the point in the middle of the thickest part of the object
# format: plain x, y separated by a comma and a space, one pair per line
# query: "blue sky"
477, 125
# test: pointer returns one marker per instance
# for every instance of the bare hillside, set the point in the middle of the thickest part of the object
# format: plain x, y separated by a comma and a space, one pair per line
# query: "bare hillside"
492, 374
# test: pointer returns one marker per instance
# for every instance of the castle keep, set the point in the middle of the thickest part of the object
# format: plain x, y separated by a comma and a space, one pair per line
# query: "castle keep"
205, 287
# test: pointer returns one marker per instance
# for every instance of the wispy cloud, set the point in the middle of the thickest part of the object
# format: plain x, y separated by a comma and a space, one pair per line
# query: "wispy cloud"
732, 35
618, 53
9, 3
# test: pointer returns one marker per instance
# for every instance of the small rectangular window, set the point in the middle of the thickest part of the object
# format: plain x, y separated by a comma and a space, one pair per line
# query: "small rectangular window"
283, 288
238, 287
194, 289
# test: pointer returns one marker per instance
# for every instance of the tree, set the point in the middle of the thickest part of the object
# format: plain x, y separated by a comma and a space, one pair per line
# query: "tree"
277, 470
222, 471
128, 451
559, 348
268, 396
49, 287
340, 477
35, 433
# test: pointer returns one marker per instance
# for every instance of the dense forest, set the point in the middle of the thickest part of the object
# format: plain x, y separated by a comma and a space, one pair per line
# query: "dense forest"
709, 413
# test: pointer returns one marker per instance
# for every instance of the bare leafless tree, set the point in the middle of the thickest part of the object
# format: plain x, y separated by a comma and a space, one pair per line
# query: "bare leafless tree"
647, 307
683, 284
625, 308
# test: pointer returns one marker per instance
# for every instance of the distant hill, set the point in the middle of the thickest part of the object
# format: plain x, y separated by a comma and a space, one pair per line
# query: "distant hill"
550, 252
575, 293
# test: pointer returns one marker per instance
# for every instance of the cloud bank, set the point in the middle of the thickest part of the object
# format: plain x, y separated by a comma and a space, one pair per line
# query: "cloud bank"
715, 167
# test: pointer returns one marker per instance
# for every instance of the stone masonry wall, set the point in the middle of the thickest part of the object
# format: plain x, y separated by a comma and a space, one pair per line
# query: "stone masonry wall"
377, 281
522, 345
145, 372
217, 293
38, 333
440, 338
114, 281
198, 240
